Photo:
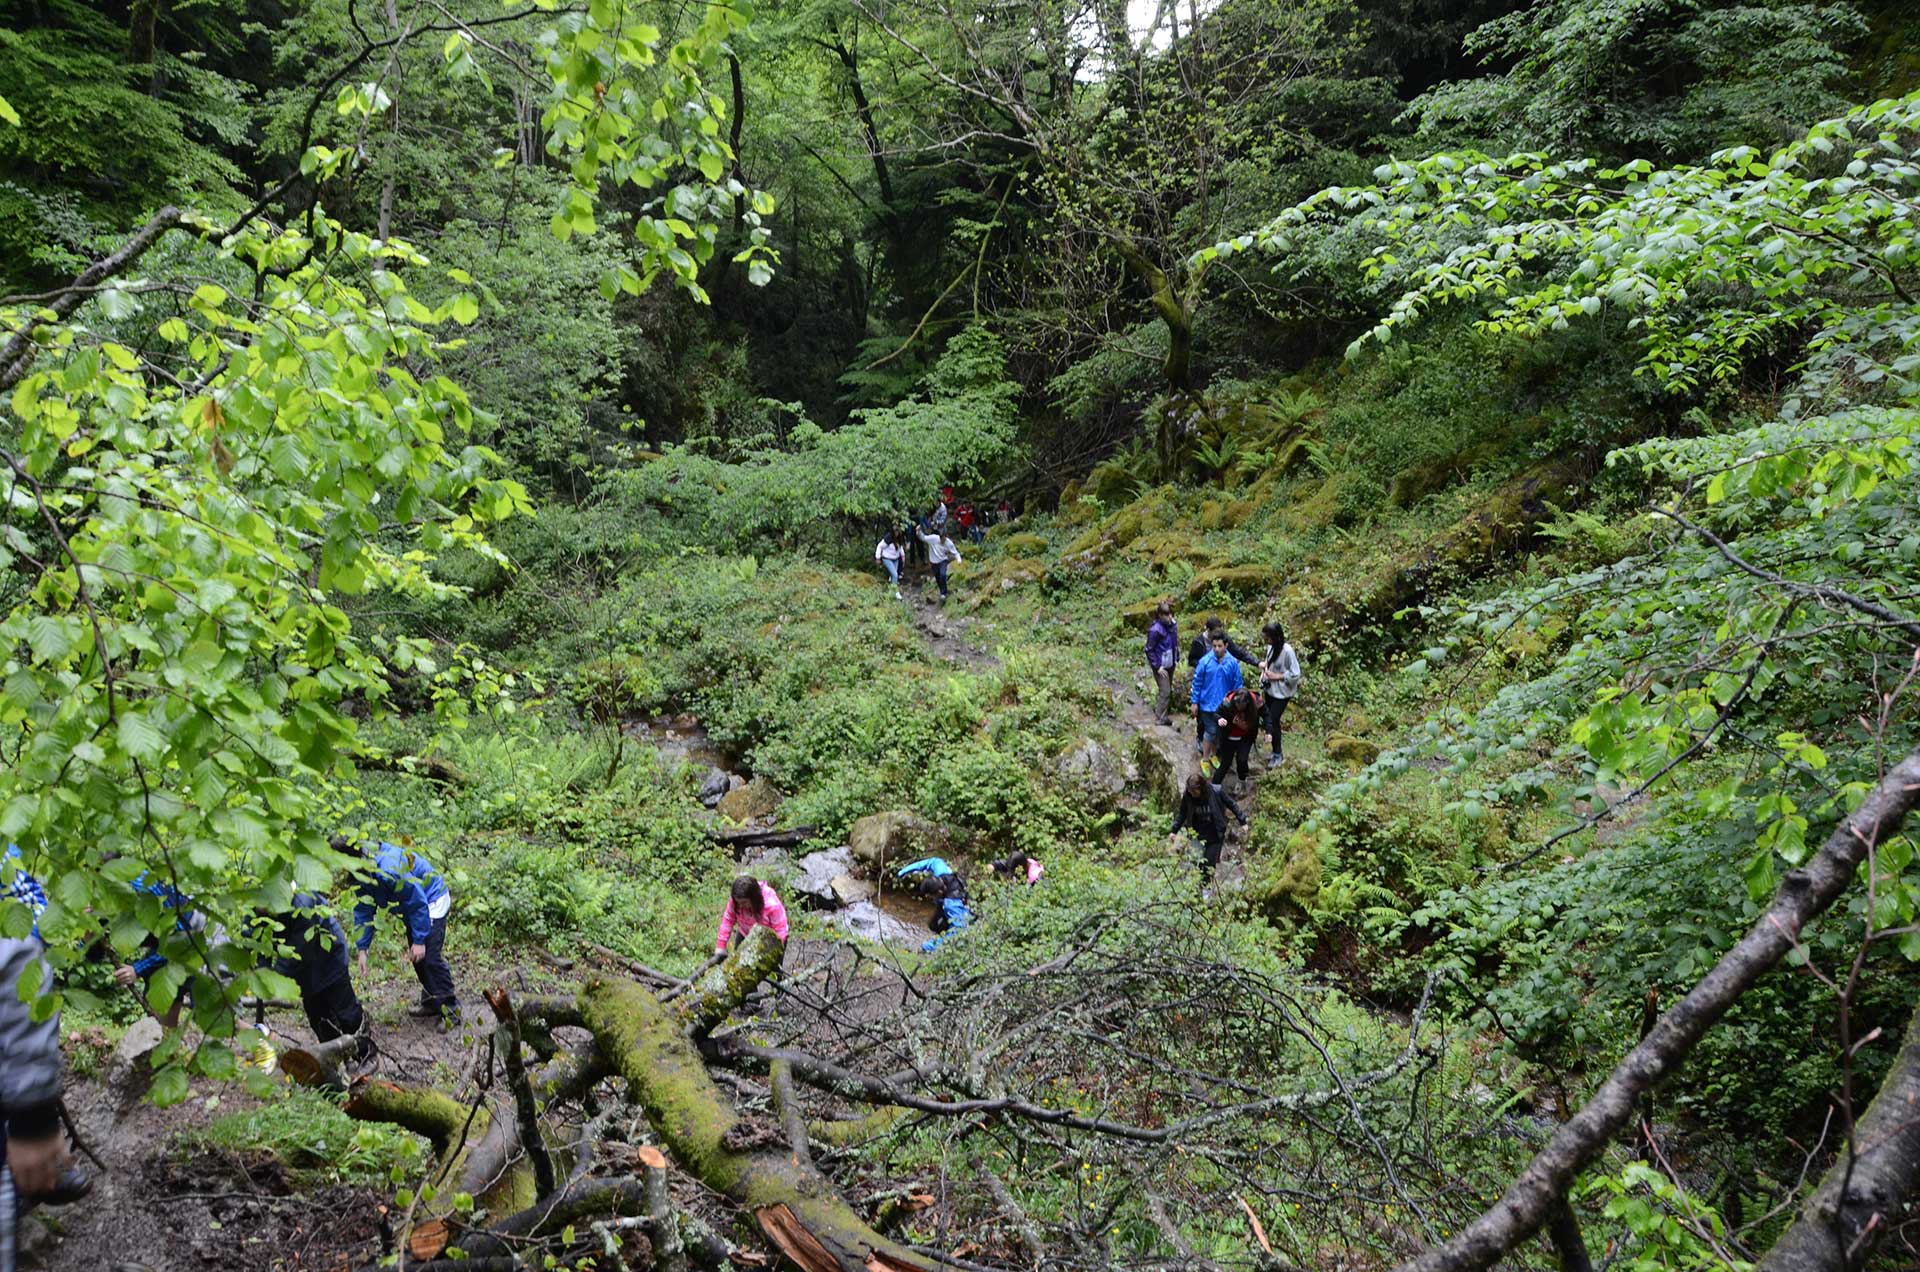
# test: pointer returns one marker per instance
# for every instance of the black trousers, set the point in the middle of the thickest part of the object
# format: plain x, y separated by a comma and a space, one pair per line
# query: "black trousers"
436, 978
1275, 708
940, 569
1210, 857
1235, 752
334, 1011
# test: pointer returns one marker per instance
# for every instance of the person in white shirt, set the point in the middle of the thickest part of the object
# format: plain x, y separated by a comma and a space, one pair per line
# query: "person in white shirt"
943, 555
1279, 679
890, 553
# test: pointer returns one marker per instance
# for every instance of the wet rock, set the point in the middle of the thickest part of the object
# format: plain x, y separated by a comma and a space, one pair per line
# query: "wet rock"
850, 890
1162, 758
130, 1072
713, 786
869, 922
814, 875
892, 837
768, 861
735, 782
757, 798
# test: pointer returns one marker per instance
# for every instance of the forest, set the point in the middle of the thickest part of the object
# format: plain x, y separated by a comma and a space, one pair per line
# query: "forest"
1280, 635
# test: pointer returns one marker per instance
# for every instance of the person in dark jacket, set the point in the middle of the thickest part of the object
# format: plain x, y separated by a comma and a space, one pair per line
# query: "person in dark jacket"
401, 880
38, 1165
1018, 866
1203, 810
313, 954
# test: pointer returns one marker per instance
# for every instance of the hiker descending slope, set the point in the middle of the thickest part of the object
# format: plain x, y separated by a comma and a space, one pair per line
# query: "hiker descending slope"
944, 555
1204, 809
891, 557
1214, 677
1239, 723
1163, 646
402, 880
1280, 677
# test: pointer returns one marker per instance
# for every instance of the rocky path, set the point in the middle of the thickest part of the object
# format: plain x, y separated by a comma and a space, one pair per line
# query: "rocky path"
945, 636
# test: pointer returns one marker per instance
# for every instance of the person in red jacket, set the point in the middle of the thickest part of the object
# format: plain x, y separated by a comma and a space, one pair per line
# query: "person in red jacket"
1239, 726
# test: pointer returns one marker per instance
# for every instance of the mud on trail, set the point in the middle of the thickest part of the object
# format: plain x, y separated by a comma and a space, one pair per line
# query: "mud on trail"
168, 1202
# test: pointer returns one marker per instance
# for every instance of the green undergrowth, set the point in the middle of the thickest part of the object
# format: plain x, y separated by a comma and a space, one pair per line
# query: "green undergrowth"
308, 1134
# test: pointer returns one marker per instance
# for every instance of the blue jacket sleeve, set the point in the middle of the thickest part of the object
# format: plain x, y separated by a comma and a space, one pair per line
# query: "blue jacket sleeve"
929, 865
413, 907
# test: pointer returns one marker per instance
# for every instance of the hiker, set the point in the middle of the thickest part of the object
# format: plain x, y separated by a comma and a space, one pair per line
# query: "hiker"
315, 959
1214, 677
151, 960
1198, 646
750, 904
1280, 677
969, 523
1005, 514
401, 880
943, 554
939, 880
1020, 867
1163, 645
39, 1169
1203, 810
21, 886
1239, 720
890, 555
1197, 650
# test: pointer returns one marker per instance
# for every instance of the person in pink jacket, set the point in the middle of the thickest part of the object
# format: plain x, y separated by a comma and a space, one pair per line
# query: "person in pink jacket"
751, 904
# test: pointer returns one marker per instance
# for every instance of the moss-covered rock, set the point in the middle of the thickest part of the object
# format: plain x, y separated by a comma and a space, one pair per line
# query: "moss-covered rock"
893, 837
758, 798
1291, 878
1240, 581
1357, 752
1160, 757
1024, 545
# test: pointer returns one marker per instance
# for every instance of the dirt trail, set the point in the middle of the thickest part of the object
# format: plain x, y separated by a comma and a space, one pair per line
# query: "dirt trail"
945, 636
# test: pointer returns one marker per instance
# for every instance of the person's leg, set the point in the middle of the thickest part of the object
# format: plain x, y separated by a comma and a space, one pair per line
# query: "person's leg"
1209, 734
940, 577
1242, 751
1276, 707
9, 1214
893, 570
1163, 678
436, 978
1209, 860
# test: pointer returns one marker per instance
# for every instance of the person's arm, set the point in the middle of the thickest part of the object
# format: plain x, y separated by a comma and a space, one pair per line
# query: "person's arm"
1193, 692
1289, 668
1179, 818
30, 1076
725, 933
1239, 654
1232, 808
925, 864
773, 914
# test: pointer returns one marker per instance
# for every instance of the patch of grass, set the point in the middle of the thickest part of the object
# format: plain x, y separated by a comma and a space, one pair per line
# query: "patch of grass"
307, 1132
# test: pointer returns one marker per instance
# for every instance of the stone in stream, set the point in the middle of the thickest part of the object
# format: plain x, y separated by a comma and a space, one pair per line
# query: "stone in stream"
869, 922
815, 874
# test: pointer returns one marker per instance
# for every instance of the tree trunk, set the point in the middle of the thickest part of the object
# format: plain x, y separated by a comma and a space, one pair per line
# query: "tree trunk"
1865, 1190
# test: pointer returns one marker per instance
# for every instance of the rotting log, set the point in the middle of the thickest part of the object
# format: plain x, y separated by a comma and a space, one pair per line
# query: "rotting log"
739, 841
565, 1077
798, 1209
726, 984
436, 1117
851, 1132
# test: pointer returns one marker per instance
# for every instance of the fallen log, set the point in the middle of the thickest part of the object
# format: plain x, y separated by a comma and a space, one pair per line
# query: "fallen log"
798, 1209
430, 767
740, 840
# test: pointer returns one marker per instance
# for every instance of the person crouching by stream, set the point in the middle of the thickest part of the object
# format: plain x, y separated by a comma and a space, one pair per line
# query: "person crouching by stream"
401, 880
940, 880
1203, 810
750, 904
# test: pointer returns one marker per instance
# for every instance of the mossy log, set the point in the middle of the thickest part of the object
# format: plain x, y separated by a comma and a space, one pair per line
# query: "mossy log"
726, 984
436, 1117
798, 1208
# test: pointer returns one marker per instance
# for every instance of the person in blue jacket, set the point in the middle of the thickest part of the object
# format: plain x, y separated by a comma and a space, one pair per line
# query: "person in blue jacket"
937, 877
151, 960
1214, 677
400, 879
21, 886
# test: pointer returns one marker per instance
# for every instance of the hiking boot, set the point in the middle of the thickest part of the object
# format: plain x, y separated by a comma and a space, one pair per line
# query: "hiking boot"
73, 1184
1273, 761
424, 1010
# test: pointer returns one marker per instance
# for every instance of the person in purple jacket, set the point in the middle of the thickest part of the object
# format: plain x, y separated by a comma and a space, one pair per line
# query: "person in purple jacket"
1163, 646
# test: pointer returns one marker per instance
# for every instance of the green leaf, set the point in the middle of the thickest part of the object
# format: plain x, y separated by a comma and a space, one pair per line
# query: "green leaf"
137, 735
465, 309
7, 113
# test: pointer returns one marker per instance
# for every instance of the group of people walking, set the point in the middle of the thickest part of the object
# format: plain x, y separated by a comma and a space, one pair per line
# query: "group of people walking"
929, 538
1229, 713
